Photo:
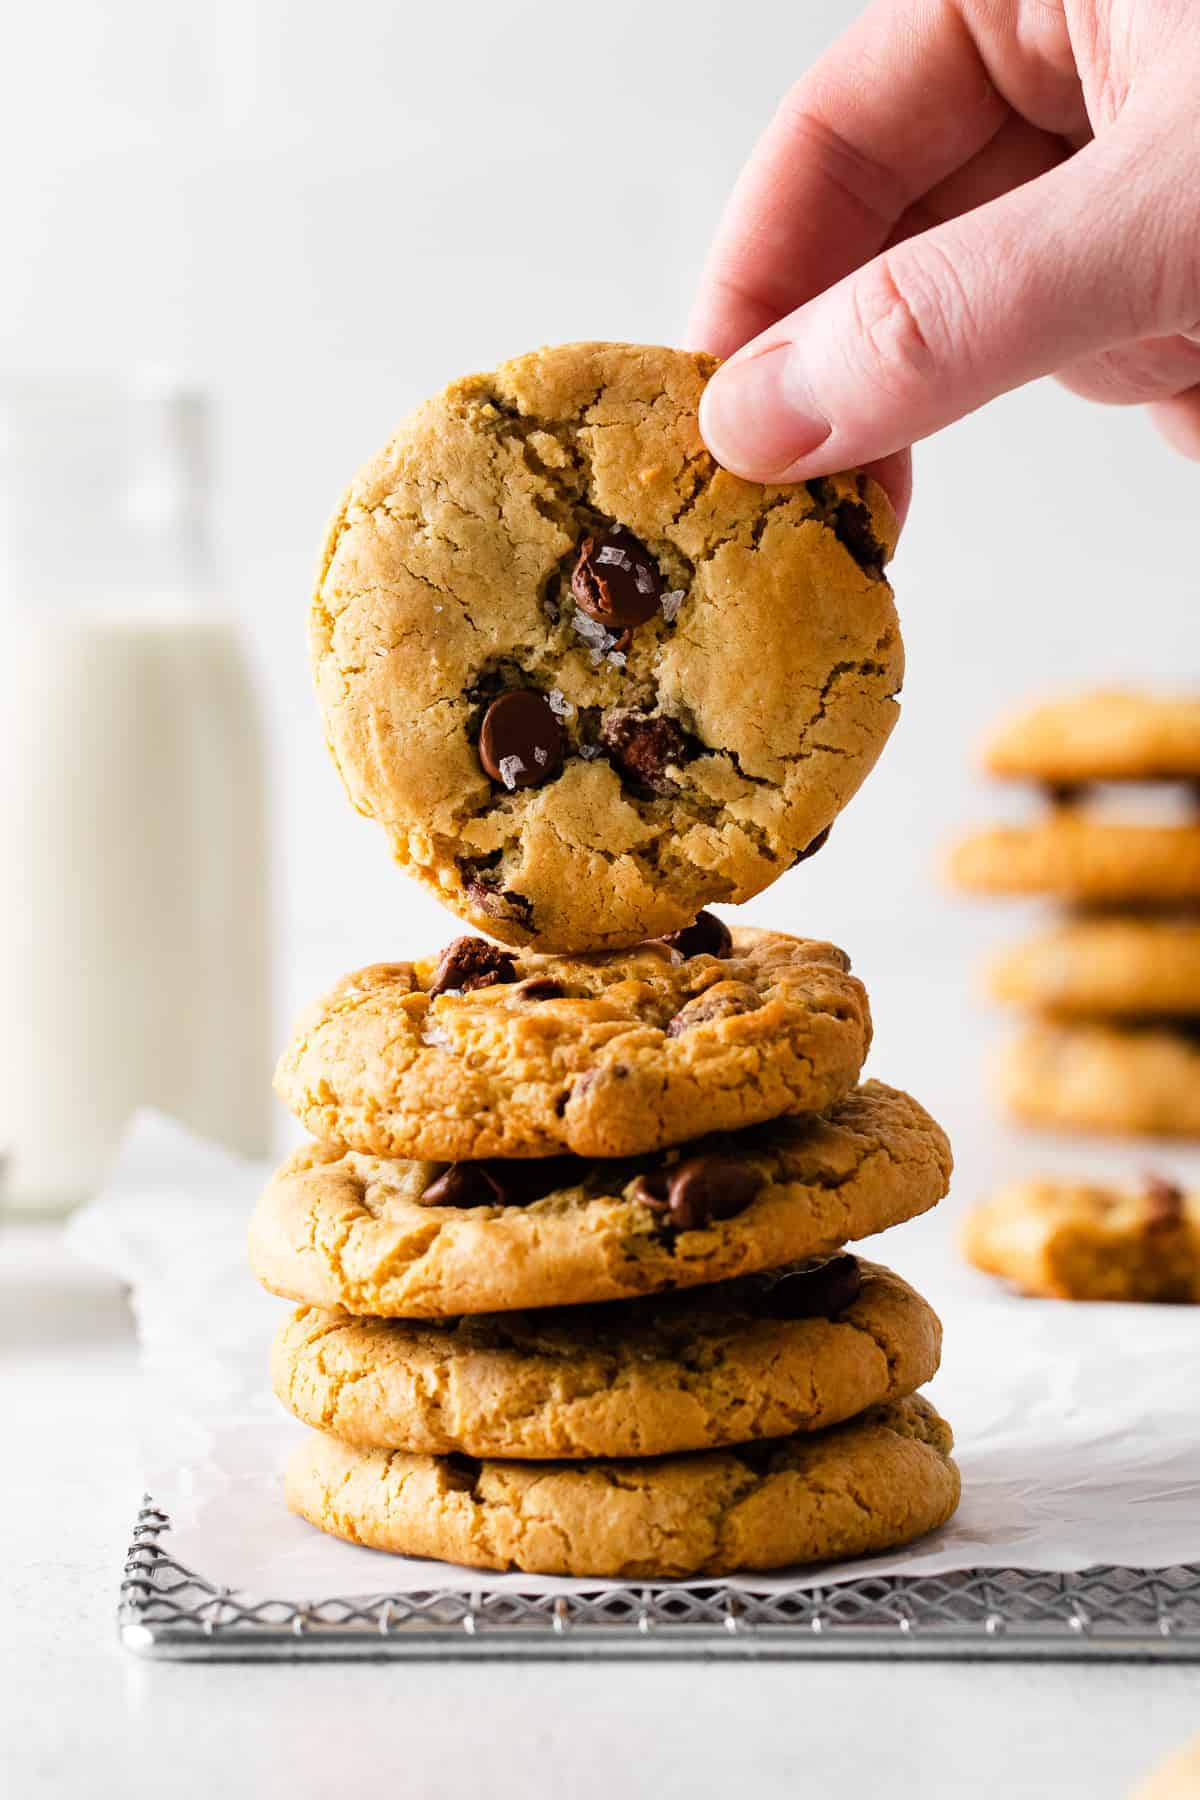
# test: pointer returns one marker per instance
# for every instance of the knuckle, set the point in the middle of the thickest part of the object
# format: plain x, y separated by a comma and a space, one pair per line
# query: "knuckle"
912, 314
868, 188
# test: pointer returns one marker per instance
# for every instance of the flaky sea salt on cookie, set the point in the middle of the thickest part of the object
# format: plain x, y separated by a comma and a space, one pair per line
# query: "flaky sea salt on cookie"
586, 680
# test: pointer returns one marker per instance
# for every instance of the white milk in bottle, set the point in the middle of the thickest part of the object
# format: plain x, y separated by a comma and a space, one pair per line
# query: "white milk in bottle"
133, 893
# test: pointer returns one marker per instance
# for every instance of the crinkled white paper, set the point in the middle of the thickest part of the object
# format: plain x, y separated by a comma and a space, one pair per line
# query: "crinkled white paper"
1078, 1427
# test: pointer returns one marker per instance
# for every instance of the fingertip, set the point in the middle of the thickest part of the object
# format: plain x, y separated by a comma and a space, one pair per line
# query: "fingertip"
756, 419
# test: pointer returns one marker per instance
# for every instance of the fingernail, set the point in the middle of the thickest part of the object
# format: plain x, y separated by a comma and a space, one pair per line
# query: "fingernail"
758, 417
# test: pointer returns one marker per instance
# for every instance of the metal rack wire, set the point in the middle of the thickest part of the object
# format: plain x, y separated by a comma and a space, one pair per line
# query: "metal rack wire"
168, 1611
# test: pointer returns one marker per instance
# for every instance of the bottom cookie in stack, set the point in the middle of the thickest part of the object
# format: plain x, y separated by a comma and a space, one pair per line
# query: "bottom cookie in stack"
766, 1420
880, 1480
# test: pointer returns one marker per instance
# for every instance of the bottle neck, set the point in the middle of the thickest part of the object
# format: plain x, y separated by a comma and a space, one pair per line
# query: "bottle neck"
104, 499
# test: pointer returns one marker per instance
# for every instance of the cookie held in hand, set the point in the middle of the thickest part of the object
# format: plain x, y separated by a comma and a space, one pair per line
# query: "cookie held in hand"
588, 681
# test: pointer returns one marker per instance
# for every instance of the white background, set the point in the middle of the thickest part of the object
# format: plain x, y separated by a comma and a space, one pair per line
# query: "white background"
329, 210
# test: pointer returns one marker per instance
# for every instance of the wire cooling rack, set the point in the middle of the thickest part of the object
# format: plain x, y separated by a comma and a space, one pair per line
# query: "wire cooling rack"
168, 1611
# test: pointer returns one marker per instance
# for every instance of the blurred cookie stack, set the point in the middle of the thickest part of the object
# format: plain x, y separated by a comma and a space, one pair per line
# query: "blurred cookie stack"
568, 1240
1112, 987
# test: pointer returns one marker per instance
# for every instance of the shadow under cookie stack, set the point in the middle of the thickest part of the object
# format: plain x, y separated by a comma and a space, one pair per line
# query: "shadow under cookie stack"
1112, 987
568, 1242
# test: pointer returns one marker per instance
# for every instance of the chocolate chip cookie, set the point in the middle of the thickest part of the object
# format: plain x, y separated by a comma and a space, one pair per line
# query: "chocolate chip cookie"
1106, 964
1106, 736
420, 1240
1084, 1241
1074, 856
795, 1349
875, 1482
588, 681
1088, 1076
486, 1052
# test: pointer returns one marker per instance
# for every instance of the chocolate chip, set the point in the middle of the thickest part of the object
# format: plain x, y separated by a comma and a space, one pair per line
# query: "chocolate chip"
706, 936
615, 581
520, 739
698, 1190
502, 1181
1164, 1204
818, 843
541, 987
852, 523
461, 1471
817, 1293
1064, 793
462, 1184
724, 1000
644, 747
481, 886
471, 962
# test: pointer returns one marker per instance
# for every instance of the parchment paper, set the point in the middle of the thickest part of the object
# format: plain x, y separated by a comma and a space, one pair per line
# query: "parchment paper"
1078, 1427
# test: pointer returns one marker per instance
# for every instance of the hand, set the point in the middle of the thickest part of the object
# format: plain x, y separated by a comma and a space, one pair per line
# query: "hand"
961, 195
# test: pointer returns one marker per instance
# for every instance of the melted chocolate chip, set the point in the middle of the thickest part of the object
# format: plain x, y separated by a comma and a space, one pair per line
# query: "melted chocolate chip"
482, 889
461, 1471
644, 747
502, 1181
541, 987
724, 1000
1064, 793
818, 843
817, 1293
471, 962
852, 523
520, 739
698, 1190
615, 581
706, 936
1163, 1205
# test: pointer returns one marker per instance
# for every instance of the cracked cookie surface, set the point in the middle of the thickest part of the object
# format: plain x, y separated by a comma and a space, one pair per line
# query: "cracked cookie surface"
348, 1230
1088, 1076
753, 1358
706, 668
880, 1480
605, 1056
1090, 1241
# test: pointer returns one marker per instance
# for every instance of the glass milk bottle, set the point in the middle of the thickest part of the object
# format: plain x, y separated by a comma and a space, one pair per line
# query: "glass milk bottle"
133, 868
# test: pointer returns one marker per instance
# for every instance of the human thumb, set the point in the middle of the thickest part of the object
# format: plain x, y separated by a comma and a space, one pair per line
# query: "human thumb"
1089, 256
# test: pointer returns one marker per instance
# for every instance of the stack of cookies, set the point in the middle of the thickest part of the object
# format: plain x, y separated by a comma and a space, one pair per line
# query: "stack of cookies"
1112, 987
568, 1241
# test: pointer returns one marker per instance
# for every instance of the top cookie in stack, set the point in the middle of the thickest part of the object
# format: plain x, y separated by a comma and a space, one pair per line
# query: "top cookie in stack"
566, 1245
1115, 986
587, 681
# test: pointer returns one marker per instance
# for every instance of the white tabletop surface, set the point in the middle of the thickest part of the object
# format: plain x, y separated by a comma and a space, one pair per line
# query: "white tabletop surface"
79, 1716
